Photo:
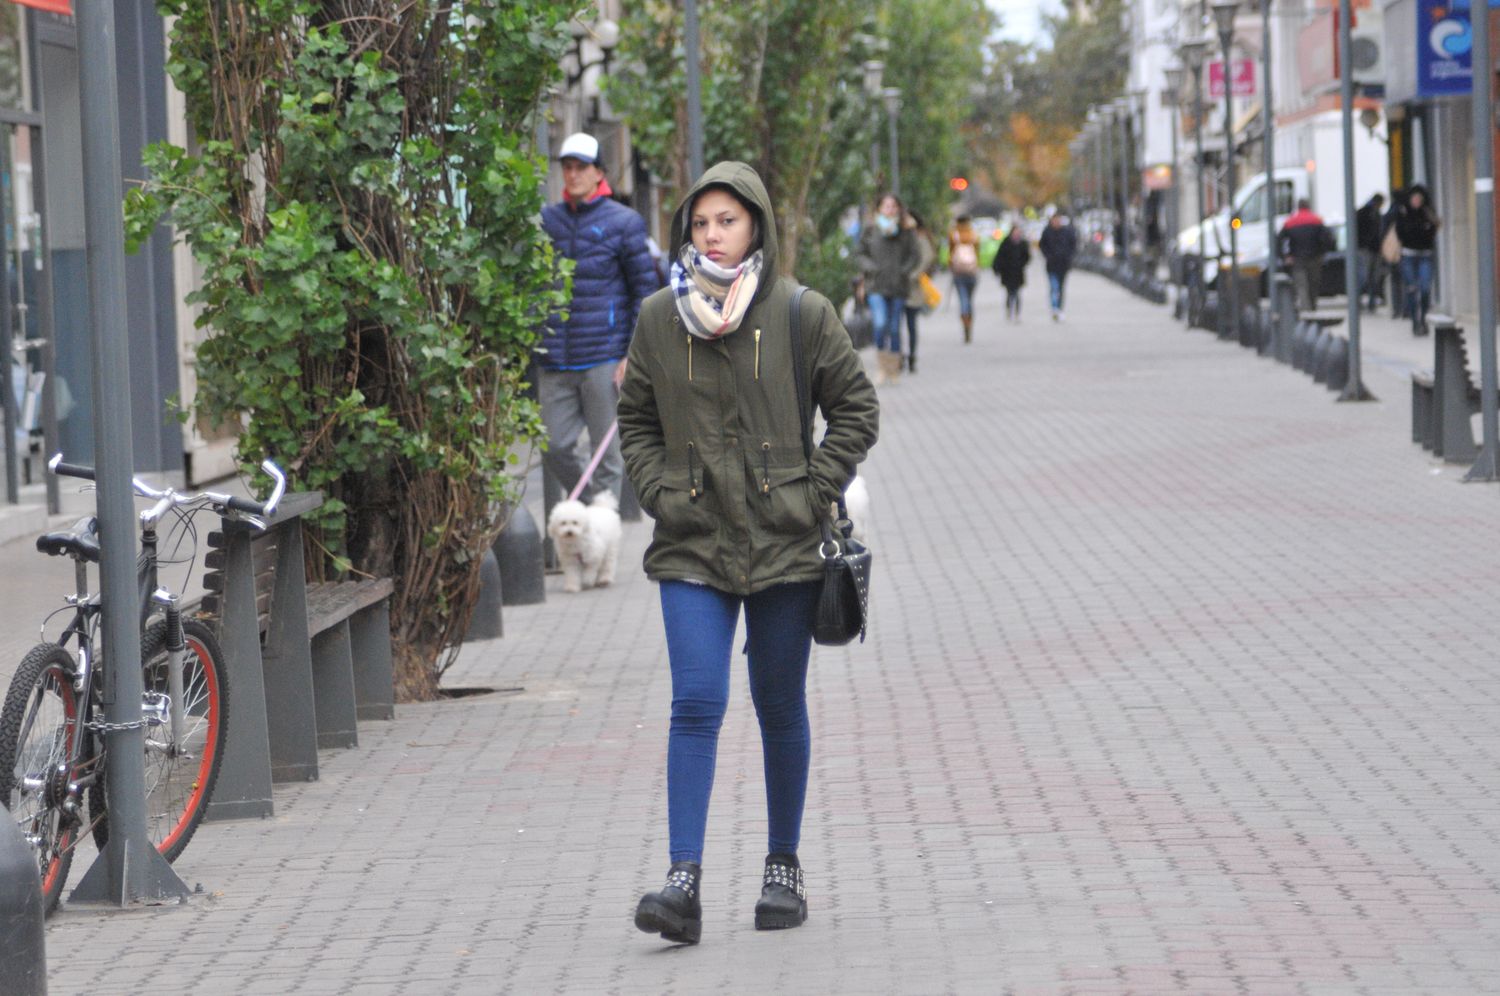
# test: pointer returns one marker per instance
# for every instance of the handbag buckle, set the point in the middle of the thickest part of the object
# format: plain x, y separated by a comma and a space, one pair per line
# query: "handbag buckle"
823, 552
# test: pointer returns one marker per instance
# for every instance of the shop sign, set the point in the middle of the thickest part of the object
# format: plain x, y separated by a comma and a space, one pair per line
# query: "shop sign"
1445, 42
1243, 81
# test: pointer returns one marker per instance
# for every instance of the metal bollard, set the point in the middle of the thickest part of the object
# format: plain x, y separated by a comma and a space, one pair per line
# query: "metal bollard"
23, 950
486, 622
1319, 365
1338, 364
1286, 317
518, 551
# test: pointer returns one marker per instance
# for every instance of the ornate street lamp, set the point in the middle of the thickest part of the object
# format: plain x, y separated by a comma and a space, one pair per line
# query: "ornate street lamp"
1173, 99
1191, 52
874, 71
892, 97
1224, 12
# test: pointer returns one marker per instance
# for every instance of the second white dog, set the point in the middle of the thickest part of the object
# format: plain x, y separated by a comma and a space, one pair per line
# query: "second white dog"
587, 538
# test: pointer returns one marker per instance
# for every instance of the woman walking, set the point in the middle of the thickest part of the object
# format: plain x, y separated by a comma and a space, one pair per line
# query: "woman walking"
963, 263
712, 441
1010, 266
916, 295
888, 257
1416, 229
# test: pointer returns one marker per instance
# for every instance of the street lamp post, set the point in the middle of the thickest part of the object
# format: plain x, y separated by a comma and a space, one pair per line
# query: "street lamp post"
892, 95
1224, 11
694, 91
1268, 116
1354, 385
1111, 195
874, 72
1173, 101
1487, 467
1191, 52
1122, 118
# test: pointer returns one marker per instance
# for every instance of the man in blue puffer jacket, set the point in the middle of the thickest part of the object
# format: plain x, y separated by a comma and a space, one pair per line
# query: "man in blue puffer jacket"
581, 360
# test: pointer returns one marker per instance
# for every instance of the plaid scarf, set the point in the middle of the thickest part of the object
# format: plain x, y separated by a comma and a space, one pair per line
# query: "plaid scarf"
712, 300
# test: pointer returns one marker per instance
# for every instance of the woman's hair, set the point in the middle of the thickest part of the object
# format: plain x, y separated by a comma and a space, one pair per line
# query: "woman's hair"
917, 220
890, 195
757, 240
964, 219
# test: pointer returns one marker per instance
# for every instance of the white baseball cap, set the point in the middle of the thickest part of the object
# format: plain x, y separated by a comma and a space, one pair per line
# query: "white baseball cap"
581, 146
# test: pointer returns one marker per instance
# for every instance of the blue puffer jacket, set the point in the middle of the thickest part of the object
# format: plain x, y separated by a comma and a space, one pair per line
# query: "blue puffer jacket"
612, 275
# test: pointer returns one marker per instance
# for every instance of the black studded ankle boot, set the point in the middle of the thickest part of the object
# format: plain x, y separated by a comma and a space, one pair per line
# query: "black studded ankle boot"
674, 912
783, 899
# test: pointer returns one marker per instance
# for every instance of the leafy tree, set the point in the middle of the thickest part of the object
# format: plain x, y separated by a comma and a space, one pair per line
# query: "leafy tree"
361, 201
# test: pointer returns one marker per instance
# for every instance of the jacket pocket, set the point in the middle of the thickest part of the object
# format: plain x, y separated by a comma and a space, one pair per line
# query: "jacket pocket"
682, 506
785, 504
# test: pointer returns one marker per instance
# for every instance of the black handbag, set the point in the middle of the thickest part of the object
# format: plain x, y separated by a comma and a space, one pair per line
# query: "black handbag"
844, 602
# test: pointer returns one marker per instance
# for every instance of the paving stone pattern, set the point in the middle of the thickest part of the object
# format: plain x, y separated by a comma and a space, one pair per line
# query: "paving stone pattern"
1181, 678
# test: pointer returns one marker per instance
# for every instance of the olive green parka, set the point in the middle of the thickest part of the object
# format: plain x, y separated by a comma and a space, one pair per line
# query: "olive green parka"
710, 432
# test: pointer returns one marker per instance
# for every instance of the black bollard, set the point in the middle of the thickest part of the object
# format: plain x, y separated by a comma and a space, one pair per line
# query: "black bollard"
1321, 353
485, 623
1338, 364
23, 951
518, 551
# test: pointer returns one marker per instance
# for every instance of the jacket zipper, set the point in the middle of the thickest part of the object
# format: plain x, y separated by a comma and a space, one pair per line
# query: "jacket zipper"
765, 465
690, 359
757, 354
692, 475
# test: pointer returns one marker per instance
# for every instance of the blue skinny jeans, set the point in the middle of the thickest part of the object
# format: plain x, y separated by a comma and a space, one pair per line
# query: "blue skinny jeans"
964, 286
886, 313
1416, 274
700, 623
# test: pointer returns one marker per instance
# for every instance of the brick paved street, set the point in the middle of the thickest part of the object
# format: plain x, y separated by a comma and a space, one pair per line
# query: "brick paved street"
1182, 677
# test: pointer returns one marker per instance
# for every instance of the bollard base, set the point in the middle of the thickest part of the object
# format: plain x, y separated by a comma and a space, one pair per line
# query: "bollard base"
1355, 390
1485, 469
137, 878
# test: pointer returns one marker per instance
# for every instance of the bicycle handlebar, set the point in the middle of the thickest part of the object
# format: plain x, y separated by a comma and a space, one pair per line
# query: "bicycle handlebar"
167, 498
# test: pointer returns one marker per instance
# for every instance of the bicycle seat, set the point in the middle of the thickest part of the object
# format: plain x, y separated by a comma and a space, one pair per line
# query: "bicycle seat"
79, 541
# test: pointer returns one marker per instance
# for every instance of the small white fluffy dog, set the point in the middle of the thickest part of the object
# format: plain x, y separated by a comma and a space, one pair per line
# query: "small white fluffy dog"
857, 501
587, 538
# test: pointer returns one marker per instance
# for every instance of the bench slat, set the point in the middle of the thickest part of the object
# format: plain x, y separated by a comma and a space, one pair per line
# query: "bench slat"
330, 603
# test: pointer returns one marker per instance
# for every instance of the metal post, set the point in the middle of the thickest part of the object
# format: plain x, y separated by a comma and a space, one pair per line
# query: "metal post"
1487, 467
1354, 388
694, 91
1122, 117
893, 110
1197, 282
1268, 114
1107, 131
1174, 208
1227, 41
7, 340
129, 870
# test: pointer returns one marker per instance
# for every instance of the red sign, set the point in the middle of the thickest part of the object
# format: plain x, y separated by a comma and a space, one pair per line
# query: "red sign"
55, 6
1244, 79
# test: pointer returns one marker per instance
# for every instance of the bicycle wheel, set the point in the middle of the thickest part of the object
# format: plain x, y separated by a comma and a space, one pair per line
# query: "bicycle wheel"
179, 778
36, 735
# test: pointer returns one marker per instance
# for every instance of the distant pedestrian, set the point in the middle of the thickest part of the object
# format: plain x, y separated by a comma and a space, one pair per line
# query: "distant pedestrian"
1059, 244
916, 296
1011, 260
1416, 228
889, 259
1303, 241
580, 362
963, 263
711, 433
1369, 230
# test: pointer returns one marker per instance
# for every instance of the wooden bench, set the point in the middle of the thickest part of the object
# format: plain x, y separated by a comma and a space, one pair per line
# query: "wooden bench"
316, 656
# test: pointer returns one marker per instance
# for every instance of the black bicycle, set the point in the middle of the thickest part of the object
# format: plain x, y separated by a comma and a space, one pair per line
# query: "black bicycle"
52, 724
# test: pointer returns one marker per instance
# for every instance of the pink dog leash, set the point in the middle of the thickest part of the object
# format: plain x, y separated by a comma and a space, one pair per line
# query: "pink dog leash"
594, 463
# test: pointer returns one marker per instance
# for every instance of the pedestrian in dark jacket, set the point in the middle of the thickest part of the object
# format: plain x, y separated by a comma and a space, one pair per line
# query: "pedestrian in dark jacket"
1369, 229
1059, 244
1010, 263
916, 297
890, 259
1416, 228
579, 364
712, 439
1303, 241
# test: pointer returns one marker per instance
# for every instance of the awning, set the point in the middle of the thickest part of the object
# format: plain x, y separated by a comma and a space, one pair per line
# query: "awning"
53, 6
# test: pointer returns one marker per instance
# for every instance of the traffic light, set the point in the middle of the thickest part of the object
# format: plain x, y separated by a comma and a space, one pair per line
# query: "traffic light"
958, 183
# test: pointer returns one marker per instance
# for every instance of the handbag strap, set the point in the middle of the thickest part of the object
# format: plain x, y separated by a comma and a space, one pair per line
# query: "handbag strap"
804, 409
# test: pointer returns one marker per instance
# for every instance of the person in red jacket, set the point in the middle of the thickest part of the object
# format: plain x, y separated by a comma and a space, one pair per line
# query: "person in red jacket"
1304, 239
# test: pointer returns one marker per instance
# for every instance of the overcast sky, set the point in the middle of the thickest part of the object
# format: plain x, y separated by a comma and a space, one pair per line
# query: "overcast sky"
1022, 18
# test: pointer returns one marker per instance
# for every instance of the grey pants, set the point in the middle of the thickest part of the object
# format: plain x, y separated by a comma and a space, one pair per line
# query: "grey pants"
1307, 280
573, 400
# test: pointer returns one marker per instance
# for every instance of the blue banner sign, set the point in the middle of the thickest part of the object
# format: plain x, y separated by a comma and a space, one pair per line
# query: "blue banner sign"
1445, 42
